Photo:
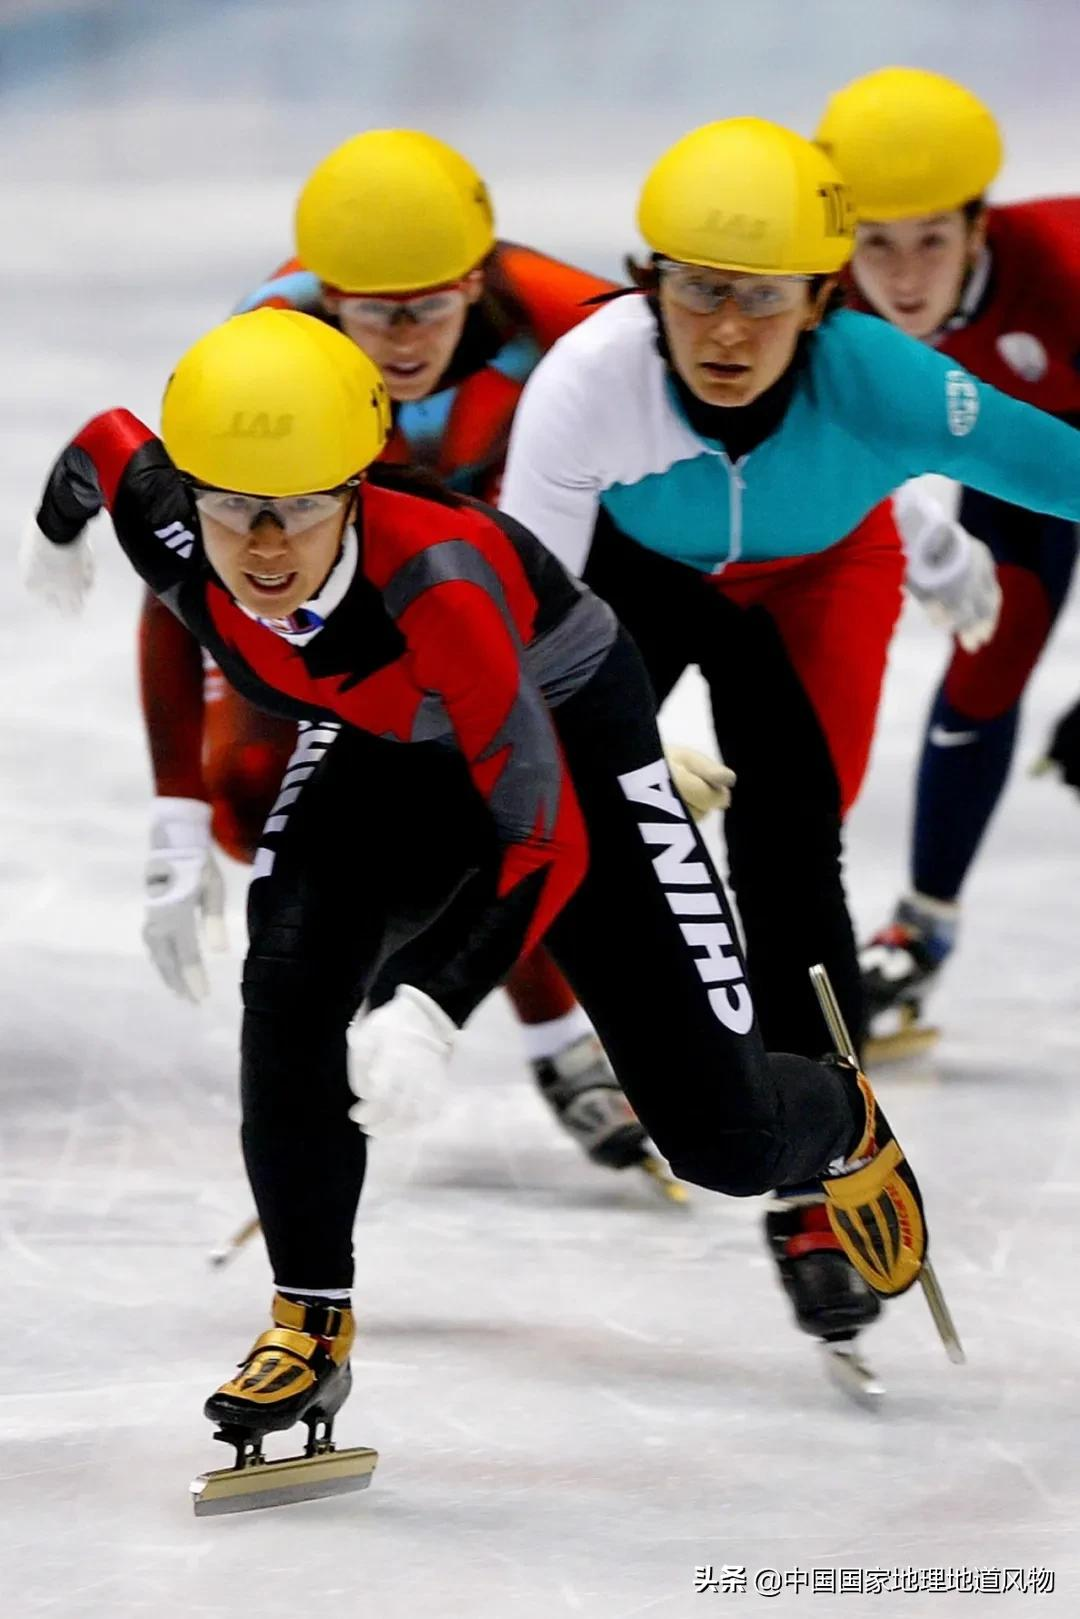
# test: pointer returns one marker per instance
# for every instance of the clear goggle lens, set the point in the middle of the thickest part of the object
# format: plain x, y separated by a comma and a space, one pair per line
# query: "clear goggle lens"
382, 314
703, 291
293, 513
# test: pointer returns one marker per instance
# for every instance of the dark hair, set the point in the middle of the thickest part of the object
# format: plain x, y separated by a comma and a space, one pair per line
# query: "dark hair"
413, 481
646, 277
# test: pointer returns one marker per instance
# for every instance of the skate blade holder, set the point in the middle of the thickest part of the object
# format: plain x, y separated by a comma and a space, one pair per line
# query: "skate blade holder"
663, 1183
909, 1038
260, 1484
935, 1298
849, 1373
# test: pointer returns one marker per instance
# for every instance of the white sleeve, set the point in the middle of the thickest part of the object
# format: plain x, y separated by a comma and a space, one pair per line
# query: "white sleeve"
551, 483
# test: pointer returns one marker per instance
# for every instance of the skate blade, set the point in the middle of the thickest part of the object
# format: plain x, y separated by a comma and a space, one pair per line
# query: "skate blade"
848, 1372
663, 1182
280, 1484
904, 1042
942, 1316
221, 1256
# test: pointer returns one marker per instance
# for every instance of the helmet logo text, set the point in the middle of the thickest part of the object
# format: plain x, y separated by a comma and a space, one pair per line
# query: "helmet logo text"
839, 214
258, 424
739, 225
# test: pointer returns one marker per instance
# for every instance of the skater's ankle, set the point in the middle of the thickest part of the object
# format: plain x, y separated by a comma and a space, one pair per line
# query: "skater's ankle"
316, 1296
543, 1041
938, 913
322, 1313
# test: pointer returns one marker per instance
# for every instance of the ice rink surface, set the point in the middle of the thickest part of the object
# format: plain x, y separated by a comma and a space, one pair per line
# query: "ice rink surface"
579, 1396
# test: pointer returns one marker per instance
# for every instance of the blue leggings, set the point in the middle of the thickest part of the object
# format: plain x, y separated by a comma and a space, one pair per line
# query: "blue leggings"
972, 726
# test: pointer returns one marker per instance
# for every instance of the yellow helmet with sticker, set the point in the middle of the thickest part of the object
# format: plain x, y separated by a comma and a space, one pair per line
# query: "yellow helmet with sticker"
274, 403
745, 194
910, 143
393, 210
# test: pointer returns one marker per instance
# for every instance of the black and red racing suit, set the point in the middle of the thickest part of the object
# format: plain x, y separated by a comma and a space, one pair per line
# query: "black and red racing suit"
477, 729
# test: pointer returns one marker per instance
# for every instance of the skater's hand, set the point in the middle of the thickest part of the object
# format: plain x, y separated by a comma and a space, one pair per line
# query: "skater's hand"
58, 575
185, 895
398, 1060
1063, 752
702, 783
951, 572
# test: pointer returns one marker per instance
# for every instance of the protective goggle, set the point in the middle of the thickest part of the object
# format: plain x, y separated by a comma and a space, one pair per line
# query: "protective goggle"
383, 314
292, 513
702, 291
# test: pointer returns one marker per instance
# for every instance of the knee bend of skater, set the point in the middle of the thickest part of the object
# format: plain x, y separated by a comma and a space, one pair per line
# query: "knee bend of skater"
281, 989
735, 1163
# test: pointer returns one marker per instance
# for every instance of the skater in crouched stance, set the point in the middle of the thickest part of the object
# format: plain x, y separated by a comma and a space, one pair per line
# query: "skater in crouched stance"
397, 249
501, 690
710, 452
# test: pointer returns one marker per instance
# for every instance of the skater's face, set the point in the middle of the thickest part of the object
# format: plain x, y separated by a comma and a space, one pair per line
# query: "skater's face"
411, 340
268, 569
912, 271
730, 354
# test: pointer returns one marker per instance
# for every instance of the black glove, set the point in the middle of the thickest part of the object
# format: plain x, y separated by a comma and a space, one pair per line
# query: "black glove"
1064, 749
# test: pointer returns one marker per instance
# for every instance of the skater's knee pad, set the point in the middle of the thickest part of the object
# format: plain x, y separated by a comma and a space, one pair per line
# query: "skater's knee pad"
298, 984
739, 1163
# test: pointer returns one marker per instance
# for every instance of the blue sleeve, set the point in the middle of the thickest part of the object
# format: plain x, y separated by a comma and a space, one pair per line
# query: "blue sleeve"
298, 289
924, 413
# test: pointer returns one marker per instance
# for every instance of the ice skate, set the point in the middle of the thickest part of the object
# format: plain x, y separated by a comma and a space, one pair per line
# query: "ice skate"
584, 1095
298, 1371
872, 1198
830, 1299
900, 966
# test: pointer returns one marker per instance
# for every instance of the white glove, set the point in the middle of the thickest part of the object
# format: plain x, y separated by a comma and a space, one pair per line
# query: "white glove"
702, 783
398, 1060
951, 572
59, 575
184, 888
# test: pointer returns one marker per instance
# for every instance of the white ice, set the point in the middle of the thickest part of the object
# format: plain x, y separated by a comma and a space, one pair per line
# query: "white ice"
578, 1395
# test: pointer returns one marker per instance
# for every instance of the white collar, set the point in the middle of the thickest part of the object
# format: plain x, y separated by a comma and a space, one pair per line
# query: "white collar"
305, 622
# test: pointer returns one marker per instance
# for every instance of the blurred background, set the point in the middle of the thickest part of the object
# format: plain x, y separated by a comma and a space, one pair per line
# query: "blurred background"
570, 1426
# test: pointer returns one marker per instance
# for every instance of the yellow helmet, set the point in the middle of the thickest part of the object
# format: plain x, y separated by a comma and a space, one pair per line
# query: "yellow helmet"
910, 143
393, 210
745, 194
274, 403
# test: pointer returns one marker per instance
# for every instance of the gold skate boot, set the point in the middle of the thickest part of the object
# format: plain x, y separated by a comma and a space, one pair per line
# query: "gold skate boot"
298, 1371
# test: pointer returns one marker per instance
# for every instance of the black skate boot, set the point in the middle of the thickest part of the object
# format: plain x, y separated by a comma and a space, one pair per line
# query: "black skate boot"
831, 1301
580, 1088
298, 1371
900, 965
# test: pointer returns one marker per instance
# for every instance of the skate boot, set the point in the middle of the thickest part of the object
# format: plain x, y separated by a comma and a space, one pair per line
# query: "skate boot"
584, 1095
831, 1301
900, 965
873, 1201
296, 1372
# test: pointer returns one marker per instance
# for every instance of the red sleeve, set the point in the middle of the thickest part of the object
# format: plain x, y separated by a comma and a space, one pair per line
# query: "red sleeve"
171, 687
554, 296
